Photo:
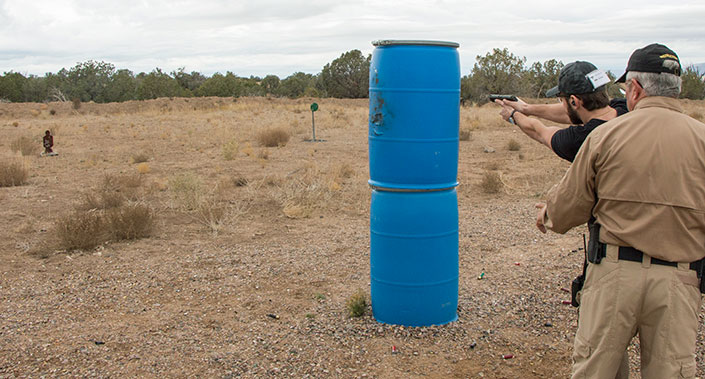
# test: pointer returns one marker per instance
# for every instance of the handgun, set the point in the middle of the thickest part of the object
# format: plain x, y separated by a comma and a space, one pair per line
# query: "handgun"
503, 97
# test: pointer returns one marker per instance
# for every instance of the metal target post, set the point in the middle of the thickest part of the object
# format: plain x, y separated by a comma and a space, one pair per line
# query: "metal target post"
314, 108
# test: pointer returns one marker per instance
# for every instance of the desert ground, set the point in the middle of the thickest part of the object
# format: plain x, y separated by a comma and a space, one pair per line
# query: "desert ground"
255, 251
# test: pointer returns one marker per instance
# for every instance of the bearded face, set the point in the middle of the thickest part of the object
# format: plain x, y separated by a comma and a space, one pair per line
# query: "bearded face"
572, 114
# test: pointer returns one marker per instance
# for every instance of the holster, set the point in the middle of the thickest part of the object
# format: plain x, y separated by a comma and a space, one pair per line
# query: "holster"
595, 249
575, 290
701, 275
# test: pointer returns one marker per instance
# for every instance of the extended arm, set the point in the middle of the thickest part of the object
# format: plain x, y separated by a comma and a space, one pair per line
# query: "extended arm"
532, 127
552, 112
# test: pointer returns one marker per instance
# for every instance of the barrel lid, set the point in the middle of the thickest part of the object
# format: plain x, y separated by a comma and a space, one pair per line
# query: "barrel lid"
391, 42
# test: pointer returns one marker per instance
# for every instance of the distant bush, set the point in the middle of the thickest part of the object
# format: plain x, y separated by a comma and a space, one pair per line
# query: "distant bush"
273, 137
24, 145
491, 182
12, 174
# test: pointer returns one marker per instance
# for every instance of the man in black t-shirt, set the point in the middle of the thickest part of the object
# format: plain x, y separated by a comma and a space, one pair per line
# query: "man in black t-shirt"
583, 102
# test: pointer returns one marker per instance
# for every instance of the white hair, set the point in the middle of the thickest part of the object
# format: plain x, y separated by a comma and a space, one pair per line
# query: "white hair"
658, 84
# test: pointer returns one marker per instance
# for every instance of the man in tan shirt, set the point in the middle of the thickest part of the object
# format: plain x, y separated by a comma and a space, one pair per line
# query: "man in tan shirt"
642, 177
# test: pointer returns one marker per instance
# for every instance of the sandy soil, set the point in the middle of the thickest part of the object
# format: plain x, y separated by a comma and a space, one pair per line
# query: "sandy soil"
262, 291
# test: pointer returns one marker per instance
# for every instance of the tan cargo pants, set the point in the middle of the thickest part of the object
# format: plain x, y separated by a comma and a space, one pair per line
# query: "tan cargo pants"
623, 298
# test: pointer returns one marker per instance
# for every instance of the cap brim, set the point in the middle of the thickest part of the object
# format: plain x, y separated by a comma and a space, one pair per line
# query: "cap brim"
553, 92
622, 79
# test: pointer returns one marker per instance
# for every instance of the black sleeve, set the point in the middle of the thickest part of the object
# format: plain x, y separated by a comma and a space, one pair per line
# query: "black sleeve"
566, 143
620, 105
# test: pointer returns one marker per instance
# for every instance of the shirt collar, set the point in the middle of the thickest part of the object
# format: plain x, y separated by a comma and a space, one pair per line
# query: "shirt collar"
659, 102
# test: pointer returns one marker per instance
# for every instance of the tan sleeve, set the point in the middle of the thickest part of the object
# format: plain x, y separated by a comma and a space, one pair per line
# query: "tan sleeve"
570, 202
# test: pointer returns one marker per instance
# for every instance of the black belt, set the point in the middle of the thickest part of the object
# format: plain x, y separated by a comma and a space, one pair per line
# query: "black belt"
628, 253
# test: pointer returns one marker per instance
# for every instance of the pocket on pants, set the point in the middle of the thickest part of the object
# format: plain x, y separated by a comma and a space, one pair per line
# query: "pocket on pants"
687, 369
581, 358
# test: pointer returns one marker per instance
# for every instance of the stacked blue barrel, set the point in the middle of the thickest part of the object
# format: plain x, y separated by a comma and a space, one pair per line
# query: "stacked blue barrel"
413, 152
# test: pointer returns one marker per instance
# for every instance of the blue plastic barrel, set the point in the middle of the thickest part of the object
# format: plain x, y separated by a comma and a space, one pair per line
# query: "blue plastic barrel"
414, 257
414, 115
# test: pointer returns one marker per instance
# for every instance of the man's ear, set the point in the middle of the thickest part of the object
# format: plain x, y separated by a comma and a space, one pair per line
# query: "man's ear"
574, 101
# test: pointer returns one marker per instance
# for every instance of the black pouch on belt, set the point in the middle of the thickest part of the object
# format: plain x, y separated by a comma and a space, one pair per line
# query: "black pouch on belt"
595, 250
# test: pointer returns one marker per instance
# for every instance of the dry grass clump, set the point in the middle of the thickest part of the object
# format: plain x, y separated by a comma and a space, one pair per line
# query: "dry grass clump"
140, 157
230, 150
513, 145
356, 305
143, 168
491, 182
465, 134
104, 198
105, 215
273, 137
112, 192
186, 191
205, 206
80, 230
24, 145
309, 188
132, 221
698, 115
239, 181
210, 213
12, 174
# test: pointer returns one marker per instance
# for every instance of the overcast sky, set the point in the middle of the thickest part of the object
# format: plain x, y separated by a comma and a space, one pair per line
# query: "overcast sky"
260, 37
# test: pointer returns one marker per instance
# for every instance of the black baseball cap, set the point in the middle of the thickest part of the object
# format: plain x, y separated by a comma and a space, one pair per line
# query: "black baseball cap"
652, 58
573, 80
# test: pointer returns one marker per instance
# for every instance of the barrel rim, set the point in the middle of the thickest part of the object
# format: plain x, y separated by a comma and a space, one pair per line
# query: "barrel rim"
393, 42
392, 187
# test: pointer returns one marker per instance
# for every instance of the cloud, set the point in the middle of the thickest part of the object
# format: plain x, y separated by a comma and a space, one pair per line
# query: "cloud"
281, 37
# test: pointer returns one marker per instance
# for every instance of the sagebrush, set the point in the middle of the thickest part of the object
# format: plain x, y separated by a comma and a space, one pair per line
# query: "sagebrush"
24, 145
273, 137
12, 174
491, 182
356, 305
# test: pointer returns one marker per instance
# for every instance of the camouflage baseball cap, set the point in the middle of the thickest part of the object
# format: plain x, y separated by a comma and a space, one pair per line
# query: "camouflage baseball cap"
578, 78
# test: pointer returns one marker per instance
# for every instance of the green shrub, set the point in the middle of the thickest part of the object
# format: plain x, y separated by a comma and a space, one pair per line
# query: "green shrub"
356, 305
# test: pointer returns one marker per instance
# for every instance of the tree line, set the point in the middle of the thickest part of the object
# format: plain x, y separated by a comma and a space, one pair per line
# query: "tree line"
498, 71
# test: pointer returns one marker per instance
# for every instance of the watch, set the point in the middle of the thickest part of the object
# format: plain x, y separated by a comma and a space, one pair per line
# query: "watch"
511, 117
